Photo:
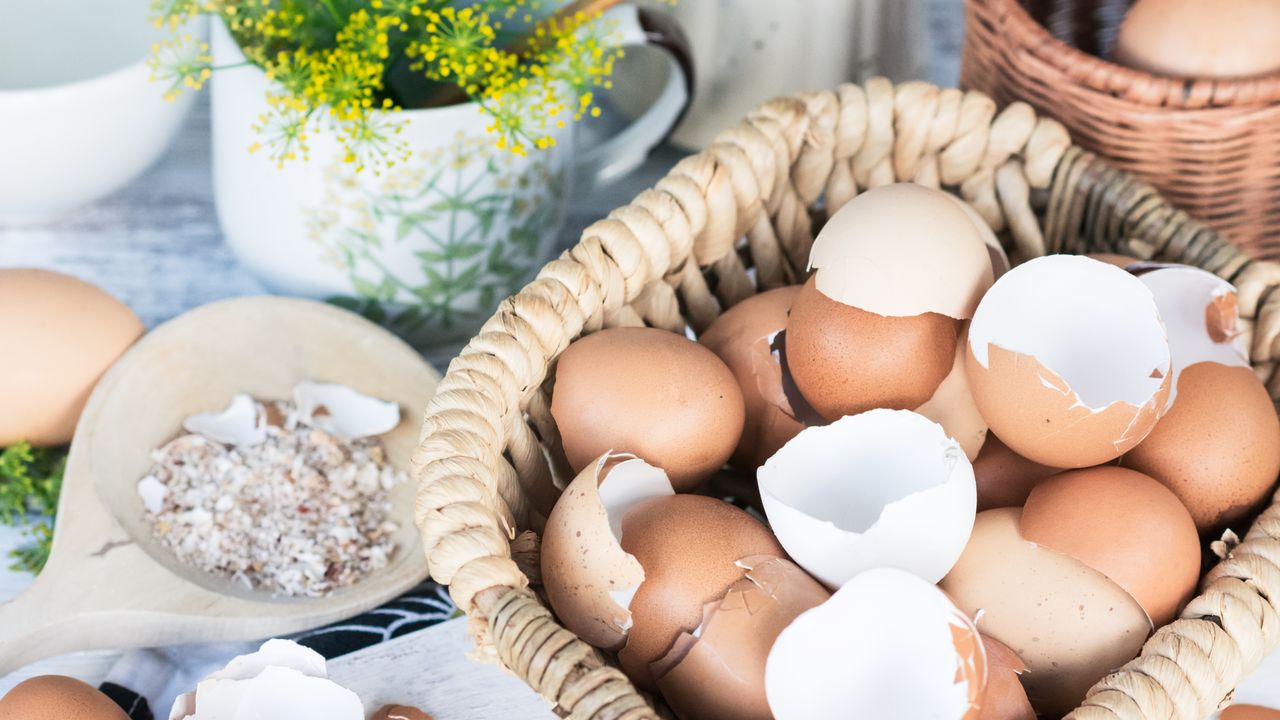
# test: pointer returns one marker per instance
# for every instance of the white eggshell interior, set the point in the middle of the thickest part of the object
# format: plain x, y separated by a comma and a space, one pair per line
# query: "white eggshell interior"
240, 424
625, 484
348, 413
885, 488
902, 250
1182, 295
1093, 324
880, 647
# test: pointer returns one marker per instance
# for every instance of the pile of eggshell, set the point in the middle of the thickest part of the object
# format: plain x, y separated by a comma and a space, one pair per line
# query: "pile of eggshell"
912, 565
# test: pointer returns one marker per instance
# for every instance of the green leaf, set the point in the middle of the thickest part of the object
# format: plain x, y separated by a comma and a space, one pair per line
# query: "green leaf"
365, 288
466, 251
30, 482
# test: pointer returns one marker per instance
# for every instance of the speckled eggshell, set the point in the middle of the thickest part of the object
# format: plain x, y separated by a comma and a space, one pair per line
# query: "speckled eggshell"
1004, 477
650, 392
61, 335
1005, 698
1218, 446
1068, 622
719, 674
54, 697
1201, 39
845, 360
743, 338
1126, 526
688, 546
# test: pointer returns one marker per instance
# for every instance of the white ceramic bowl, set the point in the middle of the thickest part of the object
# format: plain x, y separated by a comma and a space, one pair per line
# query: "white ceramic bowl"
79, 115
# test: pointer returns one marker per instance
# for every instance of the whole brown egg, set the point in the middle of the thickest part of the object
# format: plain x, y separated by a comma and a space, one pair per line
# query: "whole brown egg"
652, 393
55, 697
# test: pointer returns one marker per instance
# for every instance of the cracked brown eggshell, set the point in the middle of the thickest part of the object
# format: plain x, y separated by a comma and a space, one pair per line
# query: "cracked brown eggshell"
744, 338
649, 392
1068, 361
1069, 623
1126, 526
1004, 698
1217, 447
589, 579
895, 270
689, 547
717, 672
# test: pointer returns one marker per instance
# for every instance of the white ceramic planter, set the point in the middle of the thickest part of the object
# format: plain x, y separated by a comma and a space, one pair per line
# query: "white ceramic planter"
427, 247
79, 114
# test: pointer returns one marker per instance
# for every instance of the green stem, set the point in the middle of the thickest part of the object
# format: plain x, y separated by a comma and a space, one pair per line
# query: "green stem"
333, 12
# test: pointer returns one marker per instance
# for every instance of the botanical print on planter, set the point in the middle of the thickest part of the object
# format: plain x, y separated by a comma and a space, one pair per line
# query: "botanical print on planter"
431, 245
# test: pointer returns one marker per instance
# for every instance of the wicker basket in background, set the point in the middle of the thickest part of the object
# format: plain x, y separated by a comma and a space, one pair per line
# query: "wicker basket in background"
1212, 147
739, 218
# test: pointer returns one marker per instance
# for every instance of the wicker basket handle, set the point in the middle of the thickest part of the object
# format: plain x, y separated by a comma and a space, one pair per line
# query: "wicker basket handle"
481, 469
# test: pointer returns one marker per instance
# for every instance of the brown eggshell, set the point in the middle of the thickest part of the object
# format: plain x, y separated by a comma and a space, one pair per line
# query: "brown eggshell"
846, 361
688, 546
399, 712
720, 674
650, 392
1198, 39
1037, 415
741, 337
1004, 477
54, 697
953, 408
68, 332
1249, 712
1218, 446
582, 562
1068, 622
1126, 526
1005, 698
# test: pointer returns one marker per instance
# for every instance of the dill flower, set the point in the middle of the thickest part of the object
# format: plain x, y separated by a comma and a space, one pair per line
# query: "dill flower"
339, 66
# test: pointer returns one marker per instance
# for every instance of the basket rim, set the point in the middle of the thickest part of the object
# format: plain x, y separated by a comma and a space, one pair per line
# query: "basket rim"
1151, 91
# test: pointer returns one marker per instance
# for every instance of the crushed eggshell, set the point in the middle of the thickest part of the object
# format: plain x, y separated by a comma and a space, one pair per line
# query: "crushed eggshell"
885, 488
241, 424
341, 410
717, 671
152, 492
1068, 361
590, 580
903, 250
886, 645
282, 679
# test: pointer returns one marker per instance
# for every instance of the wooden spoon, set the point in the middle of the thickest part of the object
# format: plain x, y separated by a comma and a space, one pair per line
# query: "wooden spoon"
108, 583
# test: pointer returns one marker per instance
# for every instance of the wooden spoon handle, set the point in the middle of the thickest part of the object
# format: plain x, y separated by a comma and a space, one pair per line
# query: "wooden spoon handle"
35, 625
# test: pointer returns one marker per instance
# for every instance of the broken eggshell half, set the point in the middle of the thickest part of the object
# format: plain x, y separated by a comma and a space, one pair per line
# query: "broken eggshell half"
717, 671
886, 645
1068, 361
241, 424
589, 579
885, 488
282, 679
343, 411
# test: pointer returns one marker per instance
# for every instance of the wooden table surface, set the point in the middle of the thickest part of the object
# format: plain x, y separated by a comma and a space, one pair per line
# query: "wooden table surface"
157, 246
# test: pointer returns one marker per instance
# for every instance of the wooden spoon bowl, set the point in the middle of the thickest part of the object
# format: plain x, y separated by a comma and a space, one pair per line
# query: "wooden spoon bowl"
109, 583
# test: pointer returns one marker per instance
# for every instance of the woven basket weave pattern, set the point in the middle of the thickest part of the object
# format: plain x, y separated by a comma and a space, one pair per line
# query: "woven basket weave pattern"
737, 219
1212, 147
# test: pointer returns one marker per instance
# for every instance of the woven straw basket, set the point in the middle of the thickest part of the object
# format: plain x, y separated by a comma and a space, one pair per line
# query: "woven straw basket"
1212, 147
739, 218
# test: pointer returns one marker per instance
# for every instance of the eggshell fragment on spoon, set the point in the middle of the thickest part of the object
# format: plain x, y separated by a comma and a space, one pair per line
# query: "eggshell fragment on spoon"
241, 424
886, 645
590, 580
341, 410
1068, 361
281, 679
717, 671
886, 488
